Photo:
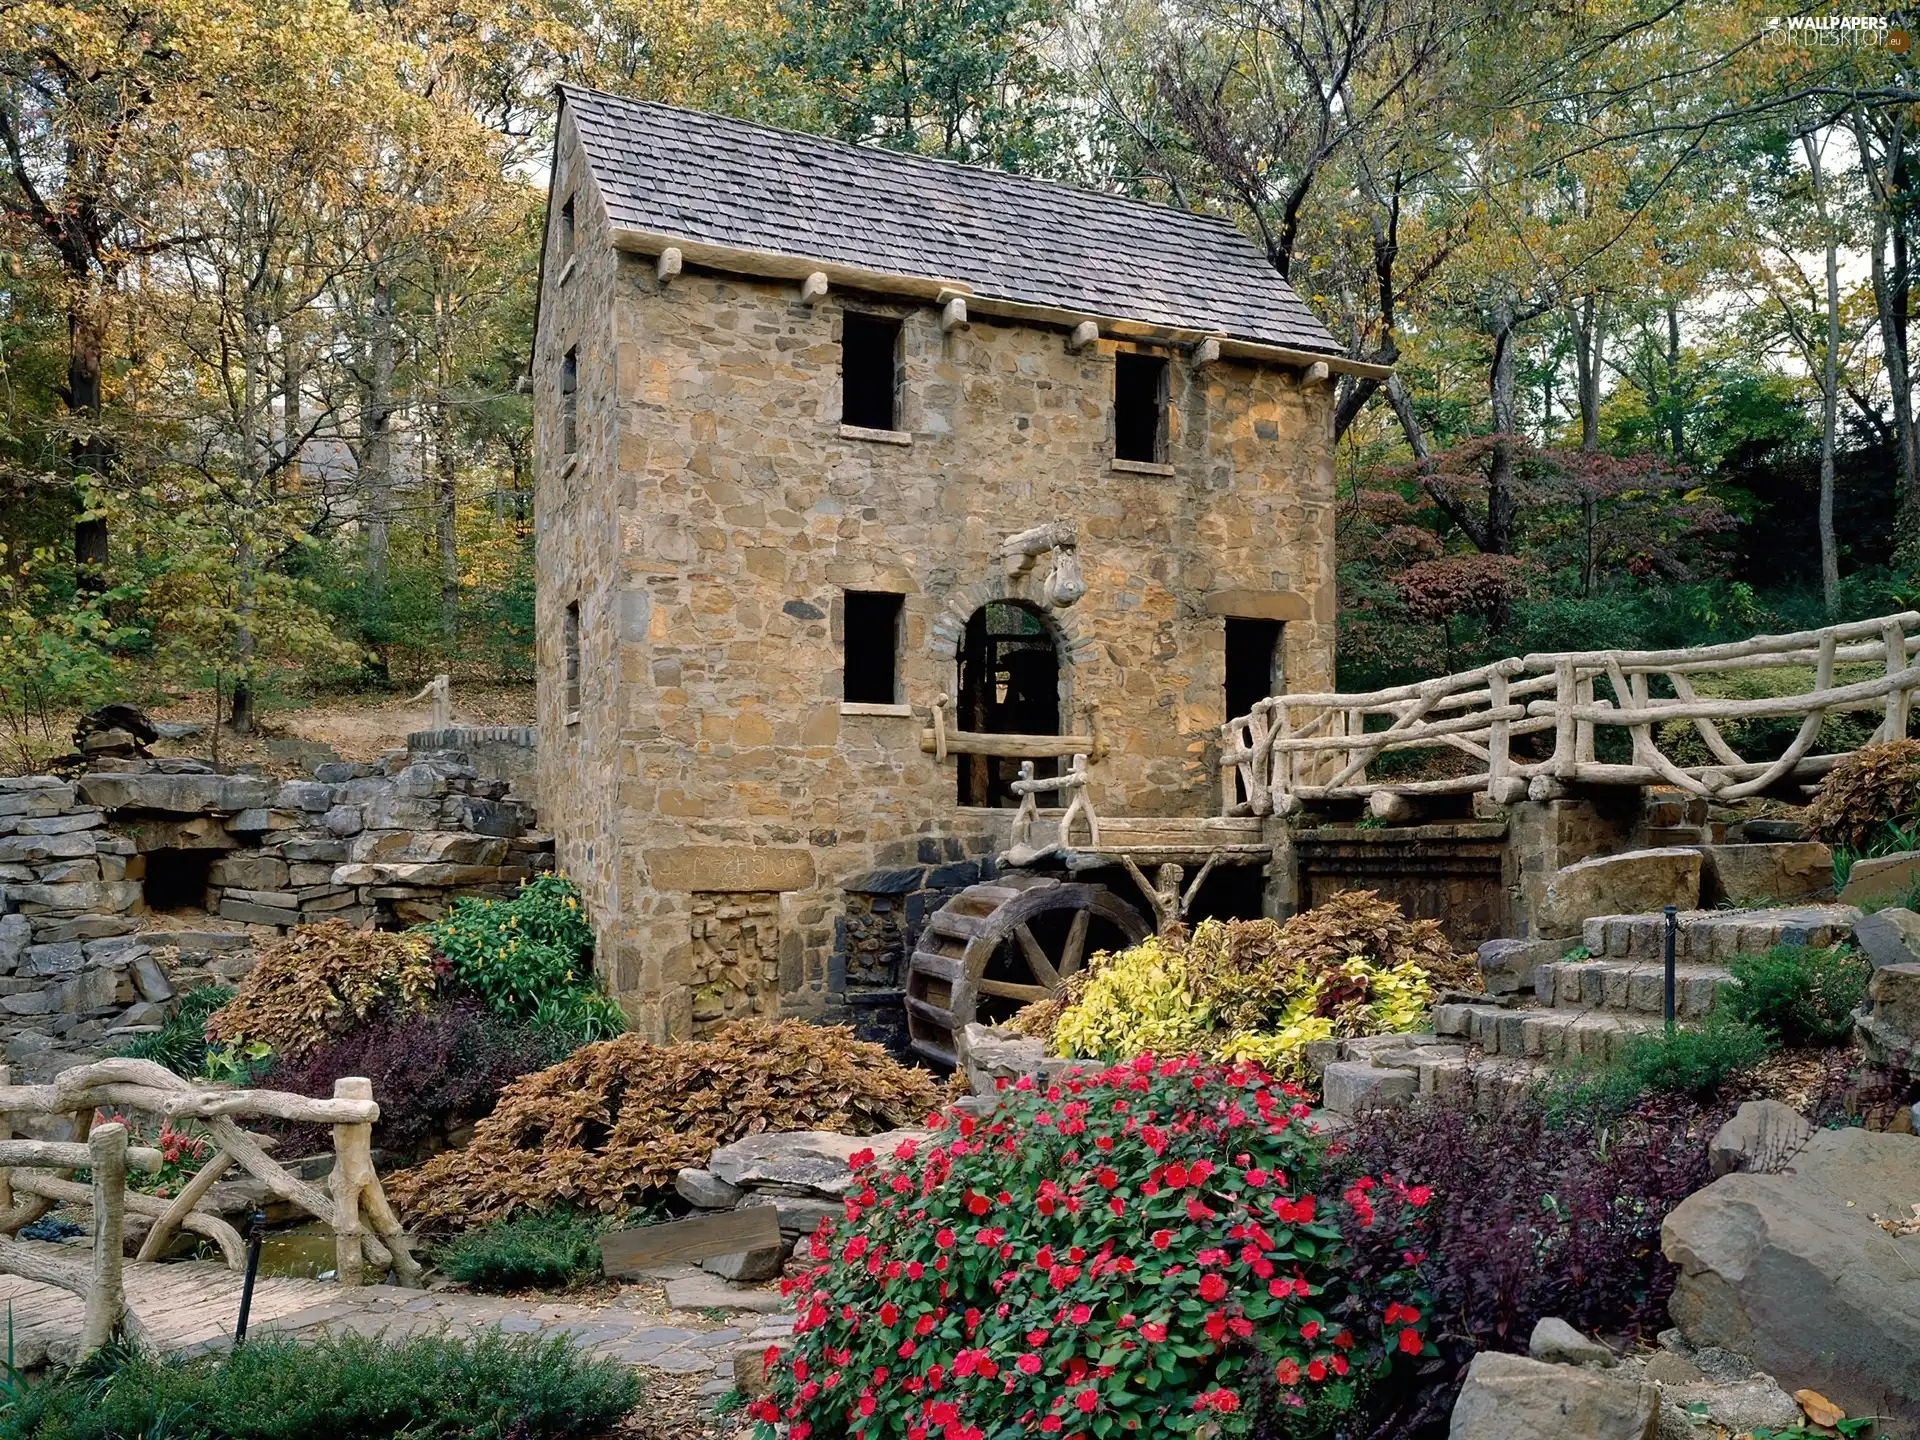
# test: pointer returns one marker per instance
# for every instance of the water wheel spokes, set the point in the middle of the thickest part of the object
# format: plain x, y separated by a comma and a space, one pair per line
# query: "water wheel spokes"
994, 948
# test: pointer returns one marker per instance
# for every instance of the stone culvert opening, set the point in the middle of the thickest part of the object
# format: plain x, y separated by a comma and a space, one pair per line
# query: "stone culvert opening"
177, 879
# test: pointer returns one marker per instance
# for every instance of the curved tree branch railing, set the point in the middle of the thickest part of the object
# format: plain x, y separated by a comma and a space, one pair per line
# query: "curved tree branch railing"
366, 1231
1295, 748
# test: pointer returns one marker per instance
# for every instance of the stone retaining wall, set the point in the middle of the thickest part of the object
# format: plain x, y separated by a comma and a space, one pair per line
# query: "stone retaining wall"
122, 886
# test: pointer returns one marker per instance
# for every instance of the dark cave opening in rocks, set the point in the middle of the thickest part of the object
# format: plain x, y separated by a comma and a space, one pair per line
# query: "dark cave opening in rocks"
177, 879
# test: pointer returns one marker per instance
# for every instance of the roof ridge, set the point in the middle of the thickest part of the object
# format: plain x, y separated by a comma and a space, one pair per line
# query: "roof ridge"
1219, 222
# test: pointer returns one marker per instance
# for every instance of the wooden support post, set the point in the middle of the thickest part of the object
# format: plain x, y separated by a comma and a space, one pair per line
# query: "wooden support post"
1583, 729
106, 1298
1899, 702
1565, 735
355, 1188
1498, 761
1357, 727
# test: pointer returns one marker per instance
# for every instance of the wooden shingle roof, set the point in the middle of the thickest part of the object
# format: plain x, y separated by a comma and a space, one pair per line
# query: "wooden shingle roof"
718, 181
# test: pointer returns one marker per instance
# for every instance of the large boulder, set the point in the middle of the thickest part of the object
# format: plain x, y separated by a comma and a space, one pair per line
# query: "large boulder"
1634, 883
802, 1161
1784, 874
1791, 1270
1886, 879
1509, 1397
1507, 966
176, 794
1889, 937
1762, 1135
1889, 1023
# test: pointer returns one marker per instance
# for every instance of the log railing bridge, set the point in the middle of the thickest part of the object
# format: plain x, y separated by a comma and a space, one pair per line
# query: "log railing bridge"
1295, 749
366, 1231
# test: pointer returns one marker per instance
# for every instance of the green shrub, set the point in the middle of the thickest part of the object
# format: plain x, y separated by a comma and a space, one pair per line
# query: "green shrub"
347, 1388
531, 958
1698, 1063
1798, 994
181, 1043
528, 1252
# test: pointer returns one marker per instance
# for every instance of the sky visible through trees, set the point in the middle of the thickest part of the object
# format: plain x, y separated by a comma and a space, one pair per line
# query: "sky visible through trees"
267, 277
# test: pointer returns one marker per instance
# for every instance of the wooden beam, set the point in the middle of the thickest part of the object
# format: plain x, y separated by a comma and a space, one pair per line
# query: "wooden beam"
1008, 747
627, 1253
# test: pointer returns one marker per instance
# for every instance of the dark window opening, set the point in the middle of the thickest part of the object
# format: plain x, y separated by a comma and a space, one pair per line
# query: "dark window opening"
1009, 684
570, 402
571, 645
870, 372
1231, 892
872, 643
566, 231
177, 879
1140, 407
1253, 670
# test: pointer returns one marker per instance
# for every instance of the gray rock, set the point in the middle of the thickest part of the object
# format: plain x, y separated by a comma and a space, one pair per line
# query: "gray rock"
248, 872
63, 959
1351, 1087
1558, 1343
1762, 1135
797, 1215
996, 1055
61, 824
1884, 878
1889, 1023
31, 1002
108, 896
1784, 873
319, 852
1637, 882
1889, 937
706, 1190
142, 1015
809, 1160
15, 932
1509, 1397
1791, 1270
747, 1266
176, 794
177, 729
702, 1291
32, 849
1507, 966
248, 913
150, 980
344, 820
307, 795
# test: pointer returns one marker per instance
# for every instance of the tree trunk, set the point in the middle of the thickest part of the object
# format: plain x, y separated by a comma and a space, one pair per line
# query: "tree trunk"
89, 452
1676, 407
376, 451
1892, 294
1590, 342
1829, 389
1500, 388
443, 524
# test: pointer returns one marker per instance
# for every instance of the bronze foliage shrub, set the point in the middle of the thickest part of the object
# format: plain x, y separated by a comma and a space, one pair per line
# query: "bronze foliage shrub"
318, 981
1866, 791
617, 1120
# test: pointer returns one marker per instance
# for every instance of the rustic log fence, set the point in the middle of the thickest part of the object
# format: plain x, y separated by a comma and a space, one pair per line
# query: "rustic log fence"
1292, 749
366, 1231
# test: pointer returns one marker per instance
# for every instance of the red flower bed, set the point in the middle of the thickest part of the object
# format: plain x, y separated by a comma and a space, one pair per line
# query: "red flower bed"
1125, 1252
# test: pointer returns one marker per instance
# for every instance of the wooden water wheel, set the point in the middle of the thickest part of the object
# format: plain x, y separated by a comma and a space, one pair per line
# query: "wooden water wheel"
996, 947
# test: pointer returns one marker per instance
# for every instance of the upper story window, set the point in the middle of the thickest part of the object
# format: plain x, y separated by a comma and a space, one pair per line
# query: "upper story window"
1140, 407
570, 661
564, 236
870, 371
570, 402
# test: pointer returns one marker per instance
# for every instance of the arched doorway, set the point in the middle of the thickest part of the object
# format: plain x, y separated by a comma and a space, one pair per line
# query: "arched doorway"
1009, 684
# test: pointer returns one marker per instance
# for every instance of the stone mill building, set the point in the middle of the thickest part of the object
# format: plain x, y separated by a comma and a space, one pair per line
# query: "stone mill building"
846, 456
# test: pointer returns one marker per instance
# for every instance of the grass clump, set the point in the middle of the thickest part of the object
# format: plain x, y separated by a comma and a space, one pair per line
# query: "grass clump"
1692, 1064
348, 1388
527, 1252
1798, 994
180, 1043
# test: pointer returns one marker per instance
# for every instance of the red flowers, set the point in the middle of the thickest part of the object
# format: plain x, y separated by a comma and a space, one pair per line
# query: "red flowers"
1162, 1239
1287, 1372
1212, 1287
1411, 1341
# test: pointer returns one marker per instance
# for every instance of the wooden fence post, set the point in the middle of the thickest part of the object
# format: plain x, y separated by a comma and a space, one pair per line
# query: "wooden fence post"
1899, 702
106, 1298
1565, 734
1498, 761
355, 1188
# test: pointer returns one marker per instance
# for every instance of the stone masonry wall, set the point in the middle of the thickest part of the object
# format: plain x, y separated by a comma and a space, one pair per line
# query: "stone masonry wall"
84, 957
715, 513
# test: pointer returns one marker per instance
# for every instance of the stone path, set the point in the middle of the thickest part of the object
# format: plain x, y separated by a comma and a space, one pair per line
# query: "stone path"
189, 1306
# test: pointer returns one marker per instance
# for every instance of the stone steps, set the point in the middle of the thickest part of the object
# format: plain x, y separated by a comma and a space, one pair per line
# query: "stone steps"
1542, 1034
1631, 987
1714, 936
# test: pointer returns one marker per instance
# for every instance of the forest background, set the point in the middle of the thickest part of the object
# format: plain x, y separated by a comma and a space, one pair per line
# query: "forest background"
268, 271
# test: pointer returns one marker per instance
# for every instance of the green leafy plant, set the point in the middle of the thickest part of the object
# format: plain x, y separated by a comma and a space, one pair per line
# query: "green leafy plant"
1798, 994
530, 957
1848, 1429
527, 1252
350, 1387
1873, 786
1132, 1251
240, 1063
180, 1043
318, 981
1694, 1062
